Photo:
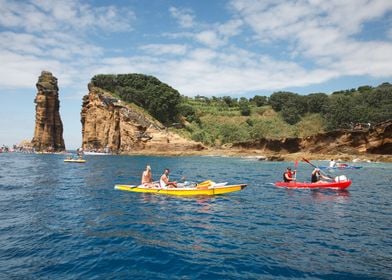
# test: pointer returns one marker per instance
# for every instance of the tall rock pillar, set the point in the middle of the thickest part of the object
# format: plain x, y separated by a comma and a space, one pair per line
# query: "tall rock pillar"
48, 133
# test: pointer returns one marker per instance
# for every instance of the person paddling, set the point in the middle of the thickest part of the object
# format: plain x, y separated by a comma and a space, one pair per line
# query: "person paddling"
164, 181
288, 175
147, 177
317, 176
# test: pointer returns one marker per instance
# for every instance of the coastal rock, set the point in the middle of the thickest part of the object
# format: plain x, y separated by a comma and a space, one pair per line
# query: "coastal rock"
48, 133
109, 124
374, 140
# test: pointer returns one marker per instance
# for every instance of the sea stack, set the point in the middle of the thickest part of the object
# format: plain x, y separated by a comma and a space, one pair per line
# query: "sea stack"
48, 134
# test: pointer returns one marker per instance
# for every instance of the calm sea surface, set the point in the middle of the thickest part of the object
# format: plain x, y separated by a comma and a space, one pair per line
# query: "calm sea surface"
65, 221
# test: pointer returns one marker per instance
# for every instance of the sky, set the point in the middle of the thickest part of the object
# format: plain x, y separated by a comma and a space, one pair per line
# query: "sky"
237, 48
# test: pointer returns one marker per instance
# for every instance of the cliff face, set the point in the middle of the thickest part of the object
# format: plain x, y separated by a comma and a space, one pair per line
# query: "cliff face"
108, 123
376, 140
48, 133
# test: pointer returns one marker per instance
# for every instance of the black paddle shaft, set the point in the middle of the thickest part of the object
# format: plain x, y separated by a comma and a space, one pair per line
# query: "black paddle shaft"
304, 159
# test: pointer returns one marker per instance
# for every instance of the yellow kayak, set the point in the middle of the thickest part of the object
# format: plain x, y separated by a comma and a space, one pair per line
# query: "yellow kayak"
200, 189
75, 160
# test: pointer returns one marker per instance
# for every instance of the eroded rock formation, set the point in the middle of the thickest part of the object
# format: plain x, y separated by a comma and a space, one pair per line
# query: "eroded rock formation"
376, 140
110, 124
48, 133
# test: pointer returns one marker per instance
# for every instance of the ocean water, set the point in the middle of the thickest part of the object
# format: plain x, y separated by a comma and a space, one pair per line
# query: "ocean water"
65, 221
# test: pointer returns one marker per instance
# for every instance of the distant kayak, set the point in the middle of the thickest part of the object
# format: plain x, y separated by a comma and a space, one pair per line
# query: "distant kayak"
200, 189
75, 160
96, 153
341, 185
341, 167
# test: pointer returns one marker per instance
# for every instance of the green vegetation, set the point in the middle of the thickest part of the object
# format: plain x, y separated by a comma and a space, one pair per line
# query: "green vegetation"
222, 120
159, 99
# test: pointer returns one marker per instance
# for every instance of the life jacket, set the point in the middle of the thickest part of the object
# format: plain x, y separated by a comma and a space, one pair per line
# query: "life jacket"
289, 175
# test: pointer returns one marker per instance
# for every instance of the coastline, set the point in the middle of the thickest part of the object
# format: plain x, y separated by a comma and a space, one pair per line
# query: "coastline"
270, 156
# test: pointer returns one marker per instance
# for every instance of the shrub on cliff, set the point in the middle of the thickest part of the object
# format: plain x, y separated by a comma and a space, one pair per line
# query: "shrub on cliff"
158, 98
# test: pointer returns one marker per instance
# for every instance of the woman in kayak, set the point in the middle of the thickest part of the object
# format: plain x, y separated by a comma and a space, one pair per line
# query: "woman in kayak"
288, 175
317, 176
147, 177
164, 182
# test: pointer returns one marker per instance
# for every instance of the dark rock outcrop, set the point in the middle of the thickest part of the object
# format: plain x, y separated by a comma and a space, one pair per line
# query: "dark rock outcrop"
110, 124
48, 133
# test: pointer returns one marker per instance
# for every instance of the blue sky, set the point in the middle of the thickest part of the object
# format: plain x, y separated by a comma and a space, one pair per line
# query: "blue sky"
211, 48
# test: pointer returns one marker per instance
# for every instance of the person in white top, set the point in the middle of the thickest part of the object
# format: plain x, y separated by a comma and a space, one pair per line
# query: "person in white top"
164, 181
332, 163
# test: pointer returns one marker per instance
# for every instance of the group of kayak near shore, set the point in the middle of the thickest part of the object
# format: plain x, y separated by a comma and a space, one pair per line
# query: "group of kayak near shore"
208, 187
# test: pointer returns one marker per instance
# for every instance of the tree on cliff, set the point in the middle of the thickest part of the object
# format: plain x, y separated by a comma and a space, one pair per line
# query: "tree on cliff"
291, 105
366, 105
158, 98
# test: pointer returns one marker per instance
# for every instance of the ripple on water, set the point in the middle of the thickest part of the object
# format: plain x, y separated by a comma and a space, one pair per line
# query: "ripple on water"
64, 221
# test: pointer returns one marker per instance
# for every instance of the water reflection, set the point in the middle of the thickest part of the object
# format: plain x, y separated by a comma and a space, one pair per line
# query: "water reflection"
338, 196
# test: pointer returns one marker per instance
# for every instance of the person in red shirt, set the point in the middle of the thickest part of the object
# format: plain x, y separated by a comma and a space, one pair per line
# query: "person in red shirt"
288, 175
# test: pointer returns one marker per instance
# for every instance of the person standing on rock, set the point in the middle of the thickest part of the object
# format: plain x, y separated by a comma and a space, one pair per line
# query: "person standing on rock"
288, 175
147, 177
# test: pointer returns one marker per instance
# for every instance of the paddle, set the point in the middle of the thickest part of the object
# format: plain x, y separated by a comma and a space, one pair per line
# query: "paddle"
295, 168
304, 159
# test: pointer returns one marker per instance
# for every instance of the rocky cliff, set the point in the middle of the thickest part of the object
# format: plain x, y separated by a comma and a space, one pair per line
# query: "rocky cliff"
110, 124
375, 140
48, 133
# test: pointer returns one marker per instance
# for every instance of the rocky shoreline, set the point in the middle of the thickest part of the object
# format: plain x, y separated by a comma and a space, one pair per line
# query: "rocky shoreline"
259, 155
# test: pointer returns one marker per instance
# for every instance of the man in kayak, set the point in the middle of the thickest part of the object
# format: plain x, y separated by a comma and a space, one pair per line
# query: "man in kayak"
317, 176
288, 175
332, 163
164, 181
147, 177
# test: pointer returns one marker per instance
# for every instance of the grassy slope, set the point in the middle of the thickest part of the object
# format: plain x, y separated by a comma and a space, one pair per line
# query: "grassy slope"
221, 124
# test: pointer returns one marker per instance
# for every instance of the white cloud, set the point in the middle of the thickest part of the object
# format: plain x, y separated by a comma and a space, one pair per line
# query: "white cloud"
230, 28
209, 38
52, 35
47, 15
209, 59
322, 31
184, 17
162, 49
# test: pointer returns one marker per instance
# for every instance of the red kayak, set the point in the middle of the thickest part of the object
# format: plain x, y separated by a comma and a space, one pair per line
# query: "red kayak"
341, 185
